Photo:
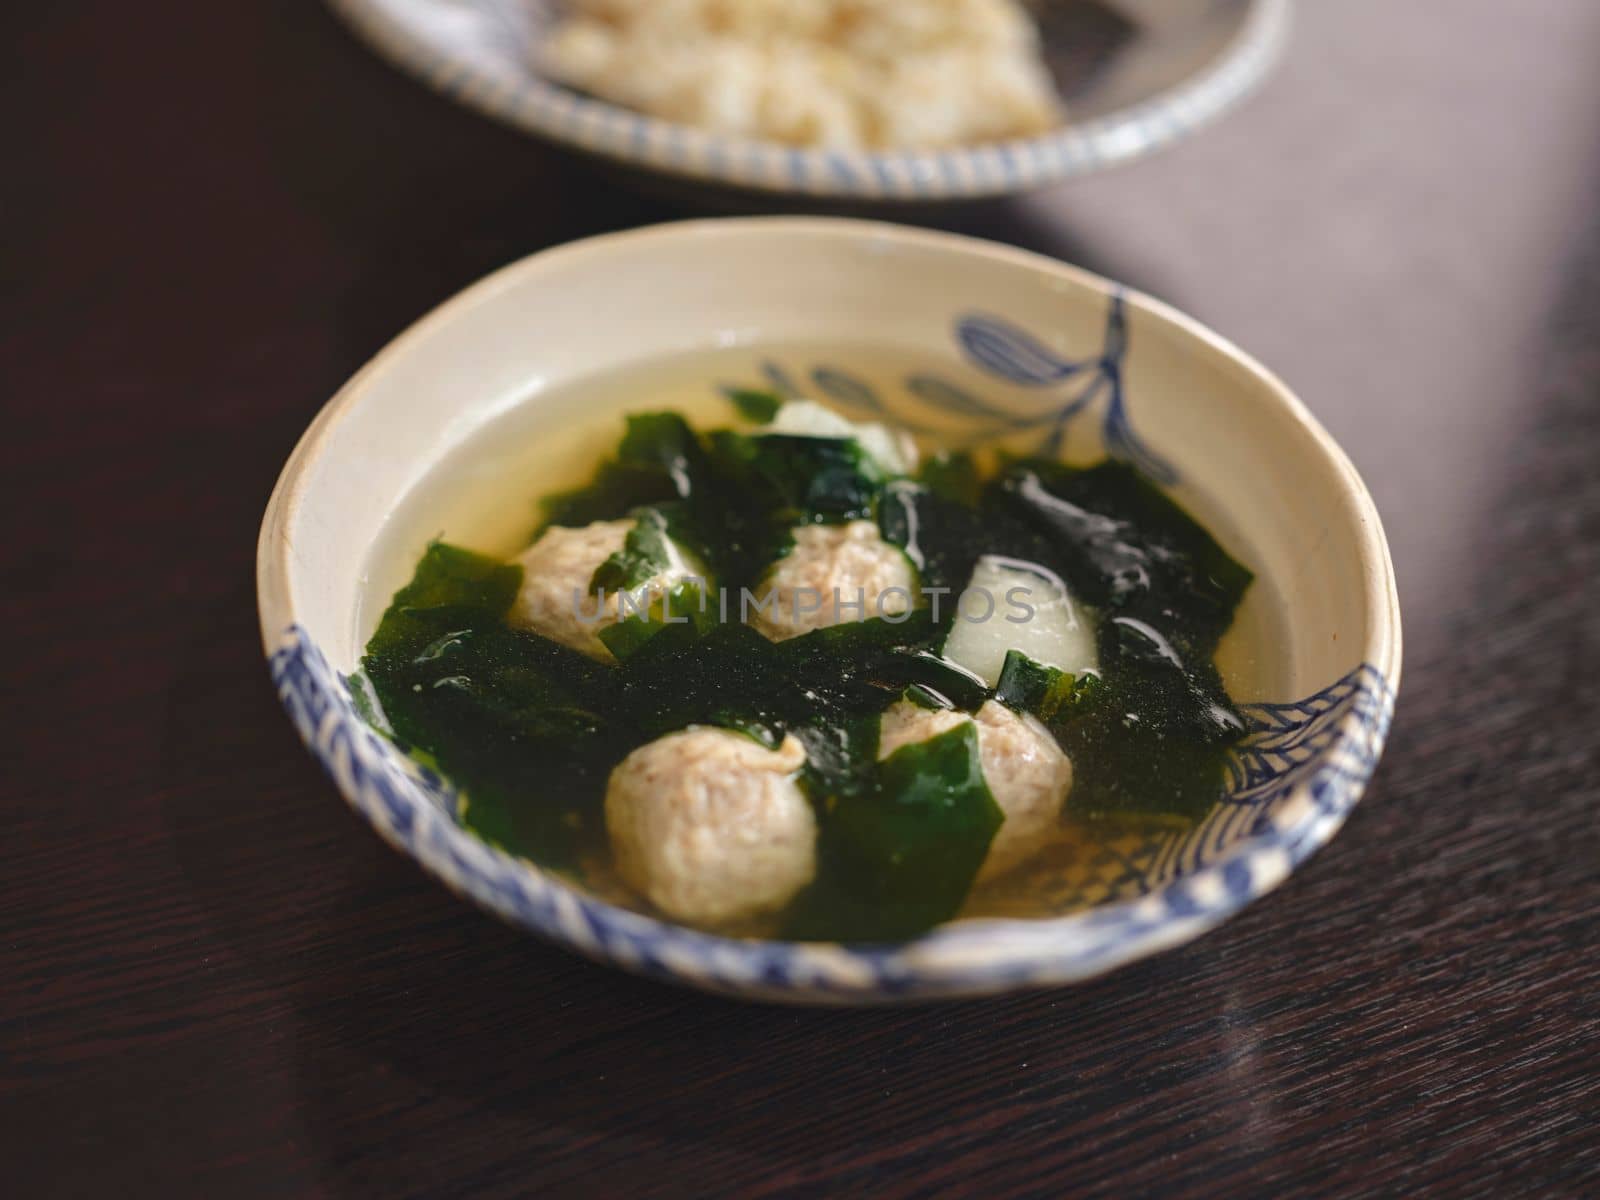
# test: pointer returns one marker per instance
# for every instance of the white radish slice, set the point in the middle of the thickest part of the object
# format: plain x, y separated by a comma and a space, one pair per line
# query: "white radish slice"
1014, 605
895, 453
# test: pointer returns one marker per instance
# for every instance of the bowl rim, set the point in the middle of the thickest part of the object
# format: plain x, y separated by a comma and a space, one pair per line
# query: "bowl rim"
970, 957
1009, 166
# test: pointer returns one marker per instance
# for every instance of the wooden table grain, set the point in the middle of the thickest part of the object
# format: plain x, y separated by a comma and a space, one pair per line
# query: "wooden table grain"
215, 982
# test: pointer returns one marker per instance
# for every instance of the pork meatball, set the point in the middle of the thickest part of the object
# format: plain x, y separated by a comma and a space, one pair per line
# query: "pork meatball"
1027, 773
712, 827
830, 570
555, 599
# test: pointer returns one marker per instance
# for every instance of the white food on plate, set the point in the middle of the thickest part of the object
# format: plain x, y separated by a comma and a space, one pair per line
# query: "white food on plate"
872, 578
1027, 773
711, 826
1058, 632
896, 453
842, 74
554, 599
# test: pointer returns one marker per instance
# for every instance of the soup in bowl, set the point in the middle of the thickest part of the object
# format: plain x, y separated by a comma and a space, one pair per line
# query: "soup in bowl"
826, 610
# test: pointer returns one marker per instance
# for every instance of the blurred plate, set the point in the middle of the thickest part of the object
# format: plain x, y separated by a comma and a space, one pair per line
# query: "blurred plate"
1135, 75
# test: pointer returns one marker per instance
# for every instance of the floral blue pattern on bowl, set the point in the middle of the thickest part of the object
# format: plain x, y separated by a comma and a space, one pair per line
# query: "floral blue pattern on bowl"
1066, 387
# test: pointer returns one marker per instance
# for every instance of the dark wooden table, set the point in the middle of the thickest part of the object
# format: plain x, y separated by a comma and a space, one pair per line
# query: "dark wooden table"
215, 982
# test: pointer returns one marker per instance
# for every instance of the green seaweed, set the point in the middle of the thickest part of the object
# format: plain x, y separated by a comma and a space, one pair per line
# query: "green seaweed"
800, 479
646, 552
659, 459
1124, 546
952, 475
754, 404
898, 856
1045, 692
519, 722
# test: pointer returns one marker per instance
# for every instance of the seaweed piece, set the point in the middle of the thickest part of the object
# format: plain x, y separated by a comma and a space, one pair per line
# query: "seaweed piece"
685, 676
684, 604
1027, 686
801, 479
859, 665
942, 681
518, 721
616, 490
899, 856
841, 755
942, 538
1148, 745
952, 475
662, 465
755, 404
652, 548
451, 587
646, 552
1122, 544
658, 459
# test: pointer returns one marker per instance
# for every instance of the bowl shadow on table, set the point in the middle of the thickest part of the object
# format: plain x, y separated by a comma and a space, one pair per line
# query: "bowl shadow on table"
412, 1005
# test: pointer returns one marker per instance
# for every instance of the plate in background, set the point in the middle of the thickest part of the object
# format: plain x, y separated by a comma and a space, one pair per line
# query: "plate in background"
1135, 75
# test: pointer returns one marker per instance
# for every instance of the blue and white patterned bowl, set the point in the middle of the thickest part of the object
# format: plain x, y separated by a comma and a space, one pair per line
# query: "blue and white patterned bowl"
977, 339
1181, 64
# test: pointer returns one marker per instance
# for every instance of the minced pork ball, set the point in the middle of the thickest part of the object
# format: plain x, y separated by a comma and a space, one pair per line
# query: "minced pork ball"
1026, 771
852, 560
711, 826
556, 570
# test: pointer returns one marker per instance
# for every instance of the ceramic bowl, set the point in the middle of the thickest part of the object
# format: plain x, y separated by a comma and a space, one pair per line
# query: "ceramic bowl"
1136, 75
995, 339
